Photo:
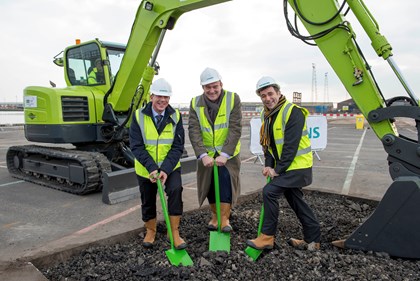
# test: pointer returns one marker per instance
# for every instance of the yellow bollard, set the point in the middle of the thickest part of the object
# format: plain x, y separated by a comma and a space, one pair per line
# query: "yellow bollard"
360, 122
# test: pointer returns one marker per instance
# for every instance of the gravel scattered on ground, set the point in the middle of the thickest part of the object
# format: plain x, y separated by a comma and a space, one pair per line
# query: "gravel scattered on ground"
338, 216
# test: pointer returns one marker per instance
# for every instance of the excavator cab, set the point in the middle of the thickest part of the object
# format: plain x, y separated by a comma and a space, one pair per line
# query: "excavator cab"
92, 63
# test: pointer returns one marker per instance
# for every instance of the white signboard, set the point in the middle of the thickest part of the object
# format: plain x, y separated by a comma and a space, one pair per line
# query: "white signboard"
317, 130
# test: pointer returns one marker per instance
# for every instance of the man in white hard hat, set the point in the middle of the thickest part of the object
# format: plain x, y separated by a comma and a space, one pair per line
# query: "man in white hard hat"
157, 141
215, 128
288, 162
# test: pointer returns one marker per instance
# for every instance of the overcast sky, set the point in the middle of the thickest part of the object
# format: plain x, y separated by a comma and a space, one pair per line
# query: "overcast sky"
242, 39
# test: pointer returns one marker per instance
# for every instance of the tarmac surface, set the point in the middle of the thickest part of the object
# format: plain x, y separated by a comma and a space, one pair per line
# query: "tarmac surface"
40, 225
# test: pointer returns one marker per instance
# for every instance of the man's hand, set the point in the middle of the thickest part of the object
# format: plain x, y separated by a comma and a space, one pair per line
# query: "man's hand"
272, 173
163, 176
266, 171
153, 176
221, 160
207, 161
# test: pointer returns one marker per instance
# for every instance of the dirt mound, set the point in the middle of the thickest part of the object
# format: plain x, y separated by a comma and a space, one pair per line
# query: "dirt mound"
338, 215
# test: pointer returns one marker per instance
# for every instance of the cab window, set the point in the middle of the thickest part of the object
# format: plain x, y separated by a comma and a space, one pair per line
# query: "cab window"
84, 65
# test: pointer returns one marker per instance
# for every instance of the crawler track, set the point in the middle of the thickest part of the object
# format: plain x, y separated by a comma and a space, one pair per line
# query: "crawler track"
73, 171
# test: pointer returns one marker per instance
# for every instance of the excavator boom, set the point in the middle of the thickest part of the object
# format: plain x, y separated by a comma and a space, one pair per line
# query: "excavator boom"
396, 220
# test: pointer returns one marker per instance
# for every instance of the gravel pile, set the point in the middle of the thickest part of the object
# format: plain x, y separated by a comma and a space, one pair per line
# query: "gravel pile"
338, 215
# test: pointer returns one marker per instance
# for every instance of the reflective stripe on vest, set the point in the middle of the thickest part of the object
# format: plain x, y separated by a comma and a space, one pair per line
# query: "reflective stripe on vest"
303, 158
156, 145
214, 138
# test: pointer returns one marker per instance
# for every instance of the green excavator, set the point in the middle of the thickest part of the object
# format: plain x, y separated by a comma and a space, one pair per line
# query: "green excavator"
107, 82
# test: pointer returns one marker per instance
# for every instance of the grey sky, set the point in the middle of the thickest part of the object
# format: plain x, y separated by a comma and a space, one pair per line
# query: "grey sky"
242, 39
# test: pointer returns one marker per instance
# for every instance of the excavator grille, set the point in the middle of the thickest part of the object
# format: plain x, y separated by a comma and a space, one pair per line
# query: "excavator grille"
75, 109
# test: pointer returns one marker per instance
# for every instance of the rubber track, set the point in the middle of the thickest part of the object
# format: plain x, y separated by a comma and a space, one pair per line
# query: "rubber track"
91, 161
102, 163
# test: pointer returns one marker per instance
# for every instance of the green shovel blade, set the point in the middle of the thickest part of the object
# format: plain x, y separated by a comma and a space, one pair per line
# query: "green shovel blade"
219, 241
179, 257
253, 253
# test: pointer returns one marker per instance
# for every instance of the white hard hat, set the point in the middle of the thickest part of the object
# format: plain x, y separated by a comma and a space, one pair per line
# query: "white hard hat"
209, 75
264, 82
161, 87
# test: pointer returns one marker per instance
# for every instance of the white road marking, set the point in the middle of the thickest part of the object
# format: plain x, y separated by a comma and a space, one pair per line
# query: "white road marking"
329, 167
350, 173
10, 183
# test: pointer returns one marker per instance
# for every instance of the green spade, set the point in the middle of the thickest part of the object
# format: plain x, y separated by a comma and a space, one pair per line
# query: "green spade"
219, 241
175, 257
252, 252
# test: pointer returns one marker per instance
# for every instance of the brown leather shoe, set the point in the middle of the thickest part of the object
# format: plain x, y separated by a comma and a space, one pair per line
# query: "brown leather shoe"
302, 245
262, 242
149, 239
213, 222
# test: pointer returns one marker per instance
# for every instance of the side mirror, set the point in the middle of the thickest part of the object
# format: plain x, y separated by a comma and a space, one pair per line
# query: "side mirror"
59, 61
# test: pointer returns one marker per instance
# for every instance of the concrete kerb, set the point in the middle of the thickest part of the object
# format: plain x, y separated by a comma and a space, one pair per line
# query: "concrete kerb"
21, 271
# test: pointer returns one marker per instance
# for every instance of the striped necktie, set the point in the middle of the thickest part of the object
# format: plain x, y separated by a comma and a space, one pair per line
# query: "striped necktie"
158, 119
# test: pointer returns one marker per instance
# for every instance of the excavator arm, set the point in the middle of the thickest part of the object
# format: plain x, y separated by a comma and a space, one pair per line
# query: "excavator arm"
152, 20
396, 220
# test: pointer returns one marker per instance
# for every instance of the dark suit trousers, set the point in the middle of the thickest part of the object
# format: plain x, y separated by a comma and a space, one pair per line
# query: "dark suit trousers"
225, 187
173, 189
294, 196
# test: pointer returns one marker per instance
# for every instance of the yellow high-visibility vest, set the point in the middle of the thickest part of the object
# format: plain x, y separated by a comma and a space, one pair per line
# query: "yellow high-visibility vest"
214, 138
303, 157
92, 76
156, 145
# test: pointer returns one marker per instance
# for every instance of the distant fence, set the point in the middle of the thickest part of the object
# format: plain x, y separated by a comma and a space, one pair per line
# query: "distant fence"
256, 114
8, 118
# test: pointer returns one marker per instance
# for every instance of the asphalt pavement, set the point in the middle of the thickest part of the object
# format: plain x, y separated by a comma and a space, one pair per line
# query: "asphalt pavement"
39, 225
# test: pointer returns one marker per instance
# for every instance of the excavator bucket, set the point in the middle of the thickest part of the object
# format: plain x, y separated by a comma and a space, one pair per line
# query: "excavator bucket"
119, 186
394, 227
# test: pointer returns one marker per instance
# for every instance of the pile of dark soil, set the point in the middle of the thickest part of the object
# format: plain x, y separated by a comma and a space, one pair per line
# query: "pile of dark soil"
338, 215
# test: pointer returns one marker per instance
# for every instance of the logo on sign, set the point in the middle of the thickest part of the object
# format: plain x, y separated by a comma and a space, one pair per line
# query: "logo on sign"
314, 132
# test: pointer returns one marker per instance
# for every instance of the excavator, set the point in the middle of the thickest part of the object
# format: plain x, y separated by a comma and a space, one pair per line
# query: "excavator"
106, 82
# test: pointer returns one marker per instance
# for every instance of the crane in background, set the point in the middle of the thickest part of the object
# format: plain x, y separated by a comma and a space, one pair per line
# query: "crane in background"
326, 95
314, 85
